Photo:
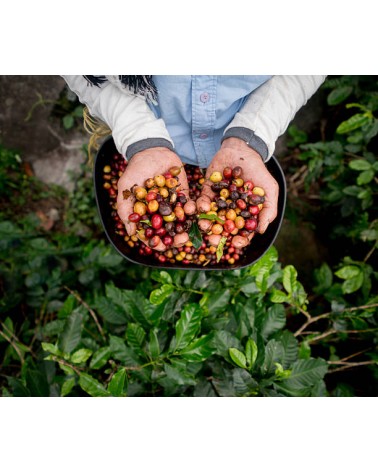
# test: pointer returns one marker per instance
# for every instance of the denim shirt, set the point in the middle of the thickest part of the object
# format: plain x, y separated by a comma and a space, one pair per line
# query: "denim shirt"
196, 109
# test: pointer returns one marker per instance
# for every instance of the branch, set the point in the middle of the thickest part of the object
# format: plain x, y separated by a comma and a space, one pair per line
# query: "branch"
326, 315
349, 365
15, 347
92, 313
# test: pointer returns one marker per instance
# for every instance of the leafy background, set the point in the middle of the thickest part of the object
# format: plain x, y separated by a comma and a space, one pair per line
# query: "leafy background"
77, 320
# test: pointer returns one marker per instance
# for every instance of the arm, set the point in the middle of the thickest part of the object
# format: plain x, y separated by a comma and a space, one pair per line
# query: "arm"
250, 138
133, 124
136, 132
269, 110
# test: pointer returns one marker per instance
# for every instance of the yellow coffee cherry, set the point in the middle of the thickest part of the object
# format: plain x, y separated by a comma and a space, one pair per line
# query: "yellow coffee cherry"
217, 229
258, 191
216, 177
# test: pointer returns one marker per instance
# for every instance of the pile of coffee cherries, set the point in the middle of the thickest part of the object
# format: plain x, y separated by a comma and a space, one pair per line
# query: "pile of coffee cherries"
170, 227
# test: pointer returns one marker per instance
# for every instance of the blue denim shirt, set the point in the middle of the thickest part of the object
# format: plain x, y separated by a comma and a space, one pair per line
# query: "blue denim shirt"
196, 110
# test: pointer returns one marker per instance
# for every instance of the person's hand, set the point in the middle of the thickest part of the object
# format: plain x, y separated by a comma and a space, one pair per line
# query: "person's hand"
235, 152
142, 166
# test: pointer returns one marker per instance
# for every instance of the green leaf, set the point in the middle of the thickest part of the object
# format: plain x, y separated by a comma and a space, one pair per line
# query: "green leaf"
278, 296
67, 386
199, 350
195, 235
117, 384
323, 277
220, 247
153, 345
289, 278
135, 335
71, 336
356, 121
188, 325
130, 301
100, 358
274, 352
290, 348
82, 355
68, 121
251, 352
360, 164
238, 357
353, 284
348, 272
218, 302
37, 384
339, 94
48, 347
111, 312
306, 373
243, 383
92, 386
179, 376
211, 217
158, 295
273, 321
365, 177
223, 341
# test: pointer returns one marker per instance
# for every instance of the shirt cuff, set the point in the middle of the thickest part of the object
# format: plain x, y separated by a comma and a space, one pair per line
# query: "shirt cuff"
247, 135
148, 143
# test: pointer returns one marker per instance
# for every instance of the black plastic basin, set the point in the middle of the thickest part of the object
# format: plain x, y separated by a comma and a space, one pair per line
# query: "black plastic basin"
259, 245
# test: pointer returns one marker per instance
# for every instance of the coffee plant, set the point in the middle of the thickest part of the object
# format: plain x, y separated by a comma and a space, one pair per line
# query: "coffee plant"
76, 319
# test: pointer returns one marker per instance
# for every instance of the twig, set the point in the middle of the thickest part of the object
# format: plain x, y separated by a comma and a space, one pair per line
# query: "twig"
369, 253
326, 315
345, 331
92, 313
349, 365
67, 364
15, 347
341, 361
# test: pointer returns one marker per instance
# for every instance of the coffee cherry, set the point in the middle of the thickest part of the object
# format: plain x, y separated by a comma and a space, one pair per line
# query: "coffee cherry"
140, 208
154, 241
159, 180
250, 225
165, 209
229, 226
216, 177
174, 171
139, 192
134, 217
227, 172
156, 221
153, 206
236, 172
258, 191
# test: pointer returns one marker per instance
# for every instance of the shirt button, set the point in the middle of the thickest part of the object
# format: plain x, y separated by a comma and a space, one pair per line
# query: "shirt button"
203, 136
204, 97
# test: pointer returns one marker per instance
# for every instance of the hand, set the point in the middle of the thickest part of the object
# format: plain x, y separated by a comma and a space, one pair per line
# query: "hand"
235, 152
143, 165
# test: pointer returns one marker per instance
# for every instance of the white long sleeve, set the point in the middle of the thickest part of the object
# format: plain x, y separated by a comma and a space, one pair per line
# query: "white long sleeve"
127, 115
270, 109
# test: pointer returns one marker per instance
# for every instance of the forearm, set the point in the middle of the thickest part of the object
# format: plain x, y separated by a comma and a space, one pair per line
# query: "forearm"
133, 124
270, 109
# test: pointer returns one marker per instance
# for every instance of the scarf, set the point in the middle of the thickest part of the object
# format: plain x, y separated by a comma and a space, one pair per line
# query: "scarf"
138, 84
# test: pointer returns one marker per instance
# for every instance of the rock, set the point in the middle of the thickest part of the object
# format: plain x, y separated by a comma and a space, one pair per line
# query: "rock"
27, 125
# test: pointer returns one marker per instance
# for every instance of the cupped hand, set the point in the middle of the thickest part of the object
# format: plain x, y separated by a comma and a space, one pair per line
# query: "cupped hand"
142, 166
235, 152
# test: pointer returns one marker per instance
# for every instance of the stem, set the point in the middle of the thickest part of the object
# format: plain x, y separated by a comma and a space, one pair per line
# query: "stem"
67, 364
349, 365
15, 347
91, 312
311, 319
333, 331
369, 253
